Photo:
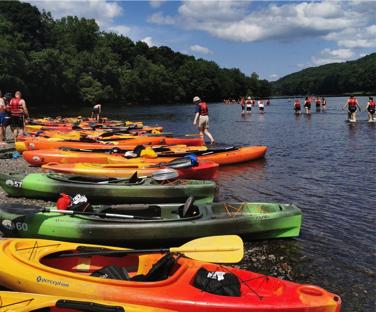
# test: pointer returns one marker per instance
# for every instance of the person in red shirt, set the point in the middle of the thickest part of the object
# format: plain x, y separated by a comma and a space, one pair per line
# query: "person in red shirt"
307, 105
352, 106
202, 118
297, 106
18, 111
371, 108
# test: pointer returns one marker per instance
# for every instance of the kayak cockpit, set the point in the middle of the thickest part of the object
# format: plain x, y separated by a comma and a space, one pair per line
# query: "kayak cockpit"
123, 267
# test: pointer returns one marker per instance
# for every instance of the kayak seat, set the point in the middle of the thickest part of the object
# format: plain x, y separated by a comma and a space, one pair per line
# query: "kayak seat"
159, 271
112, 272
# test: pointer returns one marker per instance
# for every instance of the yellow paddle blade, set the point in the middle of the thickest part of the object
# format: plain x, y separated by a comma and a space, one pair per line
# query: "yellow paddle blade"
221, 249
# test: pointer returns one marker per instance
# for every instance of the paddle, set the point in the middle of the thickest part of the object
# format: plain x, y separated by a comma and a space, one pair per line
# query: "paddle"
99, 214
221, 249
165, 174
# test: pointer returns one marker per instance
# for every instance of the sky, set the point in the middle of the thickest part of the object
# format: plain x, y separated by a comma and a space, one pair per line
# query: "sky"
271, 38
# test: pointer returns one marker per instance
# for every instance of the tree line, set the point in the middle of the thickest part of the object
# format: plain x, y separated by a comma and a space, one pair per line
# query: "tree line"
70, 61
357, 77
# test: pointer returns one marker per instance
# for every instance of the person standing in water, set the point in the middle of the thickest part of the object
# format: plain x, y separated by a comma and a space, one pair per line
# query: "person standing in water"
323, 103
18, 112
97, 109
352, 107
261, 106
318, 104
307, 105
371, 108
248, 104
268, 102
202, 118
242, 103
297, 106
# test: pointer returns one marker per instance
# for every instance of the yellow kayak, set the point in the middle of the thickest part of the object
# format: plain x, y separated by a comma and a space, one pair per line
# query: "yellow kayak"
24, 302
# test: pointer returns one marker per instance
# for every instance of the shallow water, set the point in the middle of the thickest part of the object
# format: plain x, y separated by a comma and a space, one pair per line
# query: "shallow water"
321, 163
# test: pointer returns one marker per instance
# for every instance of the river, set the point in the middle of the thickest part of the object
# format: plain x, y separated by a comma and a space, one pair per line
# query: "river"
321, 163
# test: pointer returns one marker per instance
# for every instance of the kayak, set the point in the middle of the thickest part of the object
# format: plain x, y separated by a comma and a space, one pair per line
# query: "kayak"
164, 281
222, 156
205, 170
24, 302
35, 143
106, 190
146, 224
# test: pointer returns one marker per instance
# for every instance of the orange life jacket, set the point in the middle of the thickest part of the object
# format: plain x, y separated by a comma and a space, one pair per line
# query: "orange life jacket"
352, 102
372, 104
203, 109
15, 107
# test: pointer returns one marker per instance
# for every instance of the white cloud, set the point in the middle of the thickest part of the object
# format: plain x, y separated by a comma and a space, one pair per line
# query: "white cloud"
300, 65
156, 3
200, 49
241, 21
274, 76
102, 11
119, 29
149, 41
160, 19
333, 56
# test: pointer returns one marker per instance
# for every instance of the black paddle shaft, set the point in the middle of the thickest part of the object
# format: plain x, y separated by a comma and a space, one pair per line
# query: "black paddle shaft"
115, 252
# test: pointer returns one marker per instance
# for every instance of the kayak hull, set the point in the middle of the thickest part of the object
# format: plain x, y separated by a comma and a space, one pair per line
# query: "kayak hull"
204, 171
250, 220
25, 302
40, 157
98, 191
35, 266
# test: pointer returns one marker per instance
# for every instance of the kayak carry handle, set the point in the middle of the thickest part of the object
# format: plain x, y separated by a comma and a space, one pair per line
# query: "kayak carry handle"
87, 306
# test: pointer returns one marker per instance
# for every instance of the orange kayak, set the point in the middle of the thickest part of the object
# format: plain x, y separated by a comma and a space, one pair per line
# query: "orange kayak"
129, 144
203, 171
221, 157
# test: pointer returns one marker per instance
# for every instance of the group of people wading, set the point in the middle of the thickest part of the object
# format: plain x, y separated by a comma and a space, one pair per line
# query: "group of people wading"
351, 104
321, 104
248, 103
13, 111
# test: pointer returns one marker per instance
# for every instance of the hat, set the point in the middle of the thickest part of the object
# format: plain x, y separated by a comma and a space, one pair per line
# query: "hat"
196, 99
249, 98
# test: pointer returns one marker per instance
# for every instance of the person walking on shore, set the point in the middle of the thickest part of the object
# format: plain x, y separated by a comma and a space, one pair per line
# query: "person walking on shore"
371, 108
97, 108
202, 118
18, 112
307, 105
352, 107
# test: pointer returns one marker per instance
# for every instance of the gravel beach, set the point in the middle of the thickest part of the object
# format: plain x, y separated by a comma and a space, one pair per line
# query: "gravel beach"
258, 256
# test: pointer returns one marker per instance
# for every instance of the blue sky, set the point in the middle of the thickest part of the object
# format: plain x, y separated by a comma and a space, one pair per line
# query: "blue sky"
272, 38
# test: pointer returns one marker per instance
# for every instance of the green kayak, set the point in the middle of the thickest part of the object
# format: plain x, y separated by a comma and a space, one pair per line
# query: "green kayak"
101, 190
149, 223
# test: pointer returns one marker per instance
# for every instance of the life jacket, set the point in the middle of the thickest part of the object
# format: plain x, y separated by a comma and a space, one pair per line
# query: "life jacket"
352, 102
307, 102
203, 109
297, 104
15, 107
372, 104
318, 102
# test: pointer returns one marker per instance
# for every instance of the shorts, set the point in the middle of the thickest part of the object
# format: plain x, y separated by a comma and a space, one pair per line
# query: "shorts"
95, 111
318, 105
371, 111
17, 122
261, 108
2, 118
352, 109
249, 108
307, 106
203, 122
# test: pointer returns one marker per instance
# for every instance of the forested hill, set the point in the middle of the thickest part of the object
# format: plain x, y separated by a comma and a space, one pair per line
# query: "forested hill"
70, 61
332, 79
